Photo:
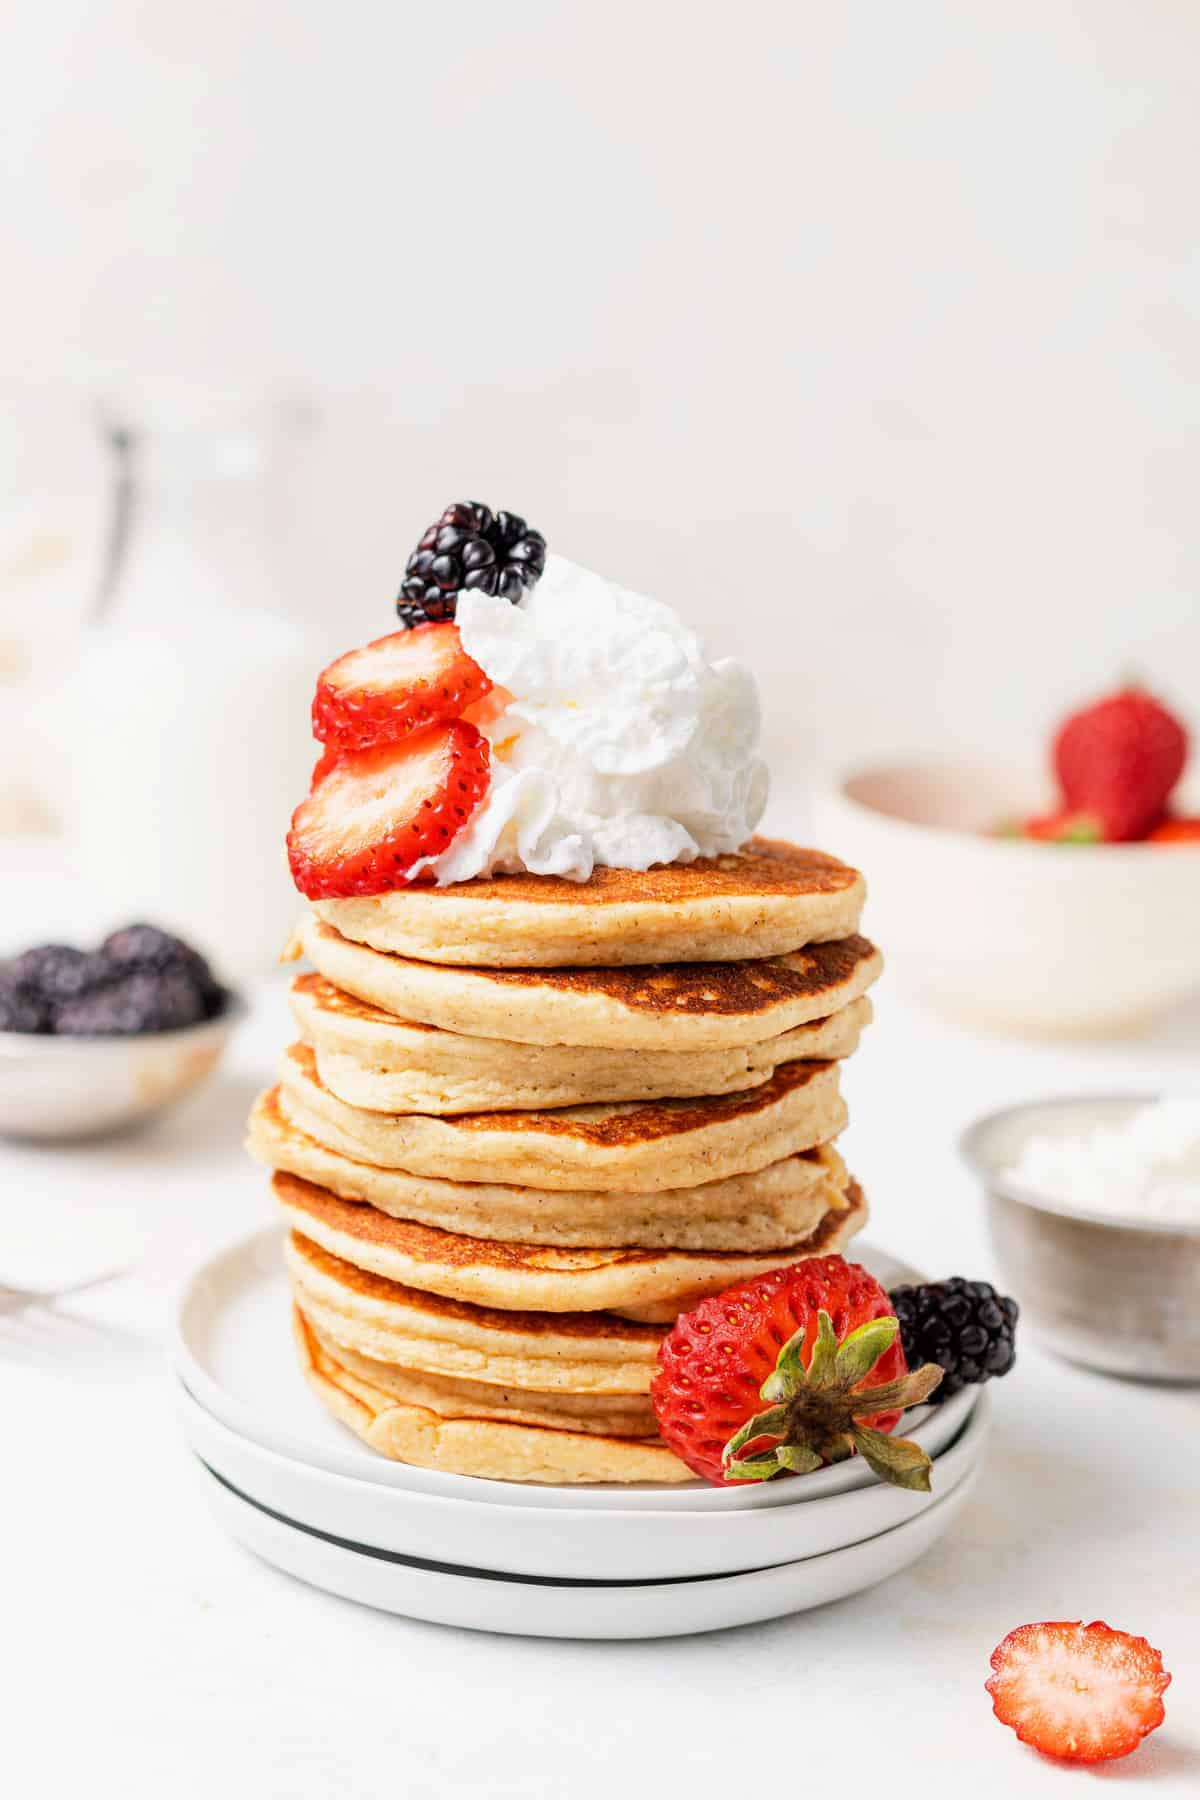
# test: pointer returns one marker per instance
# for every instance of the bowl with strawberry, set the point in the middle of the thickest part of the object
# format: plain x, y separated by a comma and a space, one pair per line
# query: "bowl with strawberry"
1061, 903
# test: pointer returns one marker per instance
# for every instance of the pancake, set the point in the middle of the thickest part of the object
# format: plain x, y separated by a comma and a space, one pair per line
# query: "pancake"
647, 1146
677, 1007
776, 1205
490, 1448
760, 901
370, 1059
651, 1284
610, 1415
565, 1353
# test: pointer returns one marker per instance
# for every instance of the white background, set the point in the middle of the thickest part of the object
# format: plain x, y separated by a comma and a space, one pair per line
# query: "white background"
865, 333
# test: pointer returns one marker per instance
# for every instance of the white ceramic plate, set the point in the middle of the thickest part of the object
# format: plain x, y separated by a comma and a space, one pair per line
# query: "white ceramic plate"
530, 1608
555, 1542
231, 1344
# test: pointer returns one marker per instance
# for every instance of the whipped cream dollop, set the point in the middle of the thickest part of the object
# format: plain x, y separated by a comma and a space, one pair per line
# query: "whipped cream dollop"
615, 743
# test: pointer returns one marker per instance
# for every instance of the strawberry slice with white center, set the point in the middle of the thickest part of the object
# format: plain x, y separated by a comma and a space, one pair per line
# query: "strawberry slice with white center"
373, 813
396, 685
1084, 1692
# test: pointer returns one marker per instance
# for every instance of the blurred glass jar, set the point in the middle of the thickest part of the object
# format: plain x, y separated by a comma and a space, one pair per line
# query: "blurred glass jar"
190, 740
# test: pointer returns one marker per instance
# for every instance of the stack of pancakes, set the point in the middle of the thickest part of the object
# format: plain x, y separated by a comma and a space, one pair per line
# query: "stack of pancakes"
527, 1121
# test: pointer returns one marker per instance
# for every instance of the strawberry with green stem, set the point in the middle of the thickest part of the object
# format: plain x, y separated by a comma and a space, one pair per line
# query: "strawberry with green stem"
789, 1371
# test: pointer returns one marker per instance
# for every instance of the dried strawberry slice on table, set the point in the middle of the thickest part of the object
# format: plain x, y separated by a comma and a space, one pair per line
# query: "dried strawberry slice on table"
394, 686
375, 813
1085, 1692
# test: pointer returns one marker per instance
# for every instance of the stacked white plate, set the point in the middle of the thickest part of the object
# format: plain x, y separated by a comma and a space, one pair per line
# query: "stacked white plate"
592, 1562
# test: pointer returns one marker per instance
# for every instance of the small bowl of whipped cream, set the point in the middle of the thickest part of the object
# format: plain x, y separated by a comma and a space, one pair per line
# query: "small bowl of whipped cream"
1094, 1212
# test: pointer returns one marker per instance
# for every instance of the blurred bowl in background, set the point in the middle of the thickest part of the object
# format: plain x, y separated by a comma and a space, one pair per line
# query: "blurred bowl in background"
57, 1088
1118, 1294
1036, 938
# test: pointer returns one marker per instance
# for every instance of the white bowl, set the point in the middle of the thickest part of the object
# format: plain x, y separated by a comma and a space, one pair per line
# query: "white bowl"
1116, 1293
1031, 937
557, 1542
73, 1087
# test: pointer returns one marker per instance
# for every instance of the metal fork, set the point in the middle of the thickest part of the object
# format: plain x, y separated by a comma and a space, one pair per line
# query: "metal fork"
13, 1297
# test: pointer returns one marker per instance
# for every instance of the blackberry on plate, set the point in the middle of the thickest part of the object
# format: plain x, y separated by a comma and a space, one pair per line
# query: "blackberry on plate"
469, 547
966, 1327
142, 1000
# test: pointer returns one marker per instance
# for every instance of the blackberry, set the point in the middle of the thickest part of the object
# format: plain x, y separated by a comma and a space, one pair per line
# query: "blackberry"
58, 972
147, 949
469, 547
964, 1326
141, 1000
21, 1007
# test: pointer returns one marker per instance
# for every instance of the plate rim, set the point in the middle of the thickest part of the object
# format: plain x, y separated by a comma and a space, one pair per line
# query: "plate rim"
235, 1415
971, 1436
463, 1572
623, 1611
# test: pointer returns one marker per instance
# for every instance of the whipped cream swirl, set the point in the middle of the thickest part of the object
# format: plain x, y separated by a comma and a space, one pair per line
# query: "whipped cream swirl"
616, 743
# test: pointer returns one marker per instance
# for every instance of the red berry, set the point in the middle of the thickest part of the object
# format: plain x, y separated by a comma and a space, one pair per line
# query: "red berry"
376, 812
1064, 828
1085, 1692
1176, 831
714, 1362
1120, 759
326, 761
395, 685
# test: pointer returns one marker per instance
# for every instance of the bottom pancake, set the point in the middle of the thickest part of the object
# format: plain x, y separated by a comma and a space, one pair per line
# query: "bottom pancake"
487, 1447
605, 1415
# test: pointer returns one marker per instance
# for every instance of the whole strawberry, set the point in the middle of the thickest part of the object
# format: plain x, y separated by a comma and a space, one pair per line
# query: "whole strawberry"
1118, 760
818, 1343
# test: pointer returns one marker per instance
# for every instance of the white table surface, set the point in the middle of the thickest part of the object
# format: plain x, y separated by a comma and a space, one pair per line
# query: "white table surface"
147, 1655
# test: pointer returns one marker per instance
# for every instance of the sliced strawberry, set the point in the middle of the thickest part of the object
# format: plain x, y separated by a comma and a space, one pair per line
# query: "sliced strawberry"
1176, 831
325, 762
485, 712
376, 812
396, 685
1085, 1692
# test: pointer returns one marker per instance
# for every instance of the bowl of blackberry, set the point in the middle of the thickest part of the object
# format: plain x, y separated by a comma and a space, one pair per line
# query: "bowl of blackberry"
95, 1040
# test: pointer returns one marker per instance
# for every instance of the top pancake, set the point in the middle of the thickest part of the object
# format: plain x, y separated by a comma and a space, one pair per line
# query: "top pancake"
769, 898
684, 1007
